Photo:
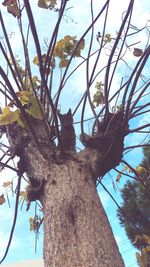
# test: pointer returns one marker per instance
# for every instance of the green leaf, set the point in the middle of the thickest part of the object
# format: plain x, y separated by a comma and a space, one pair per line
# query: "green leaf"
98, 97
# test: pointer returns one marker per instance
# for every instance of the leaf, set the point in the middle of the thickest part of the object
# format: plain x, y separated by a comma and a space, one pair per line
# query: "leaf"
27, 97
63, 63
47, 3
42, 4
65, 47
34, 109
141, 170
53, 3
98, 97
2, 199
7, 184
24, 194
36, 59
35, 81
12, 7
107, 38
34, 223
24, 97
137, 52
81, 46
8, 116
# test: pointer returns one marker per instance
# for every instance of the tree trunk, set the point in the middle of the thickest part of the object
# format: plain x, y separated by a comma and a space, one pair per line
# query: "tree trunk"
76, 229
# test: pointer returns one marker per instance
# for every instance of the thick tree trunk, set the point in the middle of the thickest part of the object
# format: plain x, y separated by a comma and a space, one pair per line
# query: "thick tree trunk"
76, 229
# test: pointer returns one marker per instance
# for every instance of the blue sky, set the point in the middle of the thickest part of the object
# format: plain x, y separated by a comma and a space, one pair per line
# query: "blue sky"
23, 242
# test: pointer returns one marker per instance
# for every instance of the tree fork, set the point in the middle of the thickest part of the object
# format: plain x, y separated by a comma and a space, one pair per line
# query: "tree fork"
76, 229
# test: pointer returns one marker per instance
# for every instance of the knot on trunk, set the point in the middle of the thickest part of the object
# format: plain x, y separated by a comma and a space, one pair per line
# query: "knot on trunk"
108, 139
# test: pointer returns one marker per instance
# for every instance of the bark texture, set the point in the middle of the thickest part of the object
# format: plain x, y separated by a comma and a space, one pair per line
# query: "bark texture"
76, 229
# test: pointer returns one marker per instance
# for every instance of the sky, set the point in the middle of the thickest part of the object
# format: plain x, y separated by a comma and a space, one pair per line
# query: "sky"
74, 23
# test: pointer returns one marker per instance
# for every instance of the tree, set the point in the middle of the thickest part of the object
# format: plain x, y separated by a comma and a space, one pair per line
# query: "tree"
76, 229
136, 198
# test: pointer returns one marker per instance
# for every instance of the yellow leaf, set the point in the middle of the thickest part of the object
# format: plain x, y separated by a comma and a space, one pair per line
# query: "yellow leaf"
36, 60
63, 63
64, 47
27, 97
141, 170
24, 97
8, 116
80, 47
34, 109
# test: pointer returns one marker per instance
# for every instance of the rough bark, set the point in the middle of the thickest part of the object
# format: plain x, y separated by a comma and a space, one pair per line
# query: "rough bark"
76, 229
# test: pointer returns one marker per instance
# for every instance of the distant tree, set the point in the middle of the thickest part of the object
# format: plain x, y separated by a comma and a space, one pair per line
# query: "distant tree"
134, 214
37, 120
